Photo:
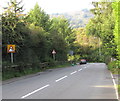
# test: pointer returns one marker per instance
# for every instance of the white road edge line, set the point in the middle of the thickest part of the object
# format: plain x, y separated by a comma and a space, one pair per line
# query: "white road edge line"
34, 91
61, 78
73, 72
79, 69
115, 86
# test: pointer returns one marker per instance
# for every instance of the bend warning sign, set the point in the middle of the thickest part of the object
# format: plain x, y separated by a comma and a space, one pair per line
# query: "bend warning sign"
10, 48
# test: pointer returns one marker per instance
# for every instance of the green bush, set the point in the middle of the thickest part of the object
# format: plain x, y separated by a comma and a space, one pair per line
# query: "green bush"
114, 67
51, 62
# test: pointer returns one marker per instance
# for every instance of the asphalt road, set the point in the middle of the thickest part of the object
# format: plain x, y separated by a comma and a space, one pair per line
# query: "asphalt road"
89, 81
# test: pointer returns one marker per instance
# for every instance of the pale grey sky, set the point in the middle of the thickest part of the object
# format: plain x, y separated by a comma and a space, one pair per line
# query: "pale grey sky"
55, 6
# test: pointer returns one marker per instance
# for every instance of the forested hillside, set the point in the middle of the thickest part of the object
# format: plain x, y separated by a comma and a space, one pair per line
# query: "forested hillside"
77, 18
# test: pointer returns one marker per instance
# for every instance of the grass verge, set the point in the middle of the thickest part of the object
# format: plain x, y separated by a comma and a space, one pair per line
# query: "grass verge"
114, 67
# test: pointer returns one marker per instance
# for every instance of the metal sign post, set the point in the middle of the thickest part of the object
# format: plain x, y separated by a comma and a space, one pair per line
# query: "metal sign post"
11, 57
54, 56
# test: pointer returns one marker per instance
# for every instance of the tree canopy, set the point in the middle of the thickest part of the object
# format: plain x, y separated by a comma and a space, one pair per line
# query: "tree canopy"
102, 26
36, 35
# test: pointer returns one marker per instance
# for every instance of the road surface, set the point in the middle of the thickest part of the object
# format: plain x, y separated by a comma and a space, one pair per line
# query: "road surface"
89, 81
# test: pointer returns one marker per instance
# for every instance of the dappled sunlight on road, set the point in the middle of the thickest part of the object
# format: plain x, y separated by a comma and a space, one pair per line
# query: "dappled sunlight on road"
104, 86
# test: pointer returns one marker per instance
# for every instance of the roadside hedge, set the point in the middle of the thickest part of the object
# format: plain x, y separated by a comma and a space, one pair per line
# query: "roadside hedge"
114, 66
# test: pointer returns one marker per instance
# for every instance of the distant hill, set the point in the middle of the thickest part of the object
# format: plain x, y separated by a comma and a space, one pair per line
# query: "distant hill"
76, 19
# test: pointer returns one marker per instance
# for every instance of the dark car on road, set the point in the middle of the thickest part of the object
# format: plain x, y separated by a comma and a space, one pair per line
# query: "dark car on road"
83, 61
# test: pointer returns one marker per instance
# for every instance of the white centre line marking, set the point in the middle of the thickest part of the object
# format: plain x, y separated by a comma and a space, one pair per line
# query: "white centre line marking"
79, 69
61, 78
34, 91
73, 72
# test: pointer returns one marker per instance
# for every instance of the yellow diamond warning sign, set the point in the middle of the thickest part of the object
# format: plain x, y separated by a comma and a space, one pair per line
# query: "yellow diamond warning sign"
10, 48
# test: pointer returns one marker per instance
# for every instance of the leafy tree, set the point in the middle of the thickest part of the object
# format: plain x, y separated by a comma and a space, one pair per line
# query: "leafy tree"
38, 42
86, 45
59, 37
38, 17
10, 22
62, 27
116, 9
14, 30
102, 26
